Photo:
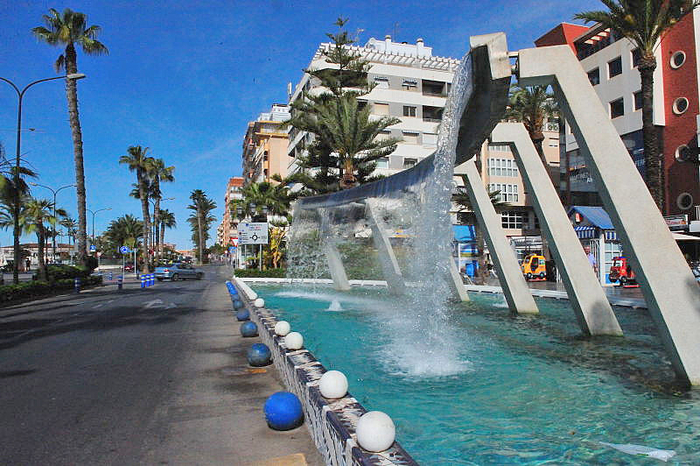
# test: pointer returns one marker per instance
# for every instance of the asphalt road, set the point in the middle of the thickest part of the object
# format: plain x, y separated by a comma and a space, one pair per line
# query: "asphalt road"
154, 376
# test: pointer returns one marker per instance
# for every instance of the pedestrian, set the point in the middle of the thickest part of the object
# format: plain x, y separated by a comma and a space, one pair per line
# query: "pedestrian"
28, 264
591, 259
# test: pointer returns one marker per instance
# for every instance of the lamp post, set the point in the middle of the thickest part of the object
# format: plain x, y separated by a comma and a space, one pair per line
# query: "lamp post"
93, 220
16, 174
55, 192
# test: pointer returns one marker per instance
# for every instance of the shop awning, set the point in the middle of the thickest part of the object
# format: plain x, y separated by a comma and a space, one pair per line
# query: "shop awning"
585, 232
463, 233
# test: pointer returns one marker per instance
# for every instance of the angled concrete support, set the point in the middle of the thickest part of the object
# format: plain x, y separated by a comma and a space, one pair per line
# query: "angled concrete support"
387, 258
456, 280
335, 262
670, 290
512, 281
591, 306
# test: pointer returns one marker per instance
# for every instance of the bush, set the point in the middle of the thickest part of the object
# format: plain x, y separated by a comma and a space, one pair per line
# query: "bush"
255, 273
58, 272
36, 289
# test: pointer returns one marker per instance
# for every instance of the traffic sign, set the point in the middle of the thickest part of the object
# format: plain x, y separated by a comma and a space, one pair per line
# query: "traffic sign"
93, 248
124, 250
252, 233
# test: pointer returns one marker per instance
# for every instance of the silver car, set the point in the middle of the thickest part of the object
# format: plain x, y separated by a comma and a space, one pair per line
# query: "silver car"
177, 271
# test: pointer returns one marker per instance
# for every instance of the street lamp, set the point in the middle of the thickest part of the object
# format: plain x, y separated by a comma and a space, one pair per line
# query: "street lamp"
20, 95
55, 192
93, 220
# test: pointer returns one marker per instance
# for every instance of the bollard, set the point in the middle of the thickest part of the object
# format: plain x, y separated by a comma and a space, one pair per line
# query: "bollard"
120, 282
110, 276
76, 284
153, 279
143, 281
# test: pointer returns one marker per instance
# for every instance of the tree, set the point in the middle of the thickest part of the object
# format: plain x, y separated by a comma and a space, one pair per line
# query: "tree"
276, 197
124, 231
465, 214
532, 106
201, 219
159, 173
36, 215
167, 220
69, 224
138, 161
346, 141
644, 23
70, 28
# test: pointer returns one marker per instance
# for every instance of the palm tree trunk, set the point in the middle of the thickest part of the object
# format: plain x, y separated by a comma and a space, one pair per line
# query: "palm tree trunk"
161, 239
201, 236
156, 223
653, 161
42, 263
73, 117
146, 219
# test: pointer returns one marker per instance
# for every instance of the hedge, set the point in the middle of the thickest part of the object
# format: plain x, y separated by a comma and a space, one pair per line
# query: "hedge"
36, 289
255, 273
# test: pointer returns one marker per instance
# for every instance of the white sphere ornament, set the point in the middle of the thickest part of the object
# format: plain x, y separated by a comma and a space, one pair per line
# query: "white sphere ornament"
259, 302
333, 384
282, 328
294, 341
375, 431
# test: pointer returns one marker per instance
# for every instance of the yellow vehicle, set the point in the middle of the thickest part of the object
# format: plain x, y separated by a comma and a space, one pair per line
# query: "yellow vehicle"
534, 266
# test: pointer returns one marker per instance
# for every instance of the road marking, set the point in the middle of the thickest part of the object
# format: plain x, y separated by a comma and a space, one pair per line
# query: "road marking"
110, 301
96, 306
171, 305
153, 303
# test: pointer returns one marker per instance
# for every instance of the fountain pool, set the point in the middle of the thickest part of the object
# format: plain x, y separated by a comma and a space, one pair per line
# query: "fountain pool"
497, 389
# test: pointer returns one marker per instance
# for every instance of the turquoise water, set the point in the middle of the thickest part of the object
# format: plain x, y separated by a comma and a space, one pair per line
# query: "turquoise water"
499, 389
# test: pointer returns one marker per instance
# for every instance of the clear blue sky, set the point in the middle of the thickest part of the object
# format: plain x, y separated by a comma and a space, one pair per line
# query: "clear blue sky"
185, 77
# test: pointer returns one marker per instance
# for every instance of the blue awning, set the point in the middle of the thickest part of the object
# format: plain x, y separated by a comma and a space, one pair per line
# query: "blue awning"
585, 232
596, 216
464, 233
610, 235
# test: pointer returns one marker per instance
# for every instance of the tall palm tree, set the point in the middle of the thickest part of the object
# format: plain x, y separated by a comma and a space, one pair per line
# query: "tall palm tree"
532, 106
68, 29
37, 215
138, 161
644, 23
202, 207
167, 220
70, 225
159, 173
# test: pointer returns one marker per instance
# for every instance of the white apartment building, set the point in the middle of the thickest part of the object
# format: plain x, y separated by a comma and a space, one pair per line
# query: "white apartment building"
411, 84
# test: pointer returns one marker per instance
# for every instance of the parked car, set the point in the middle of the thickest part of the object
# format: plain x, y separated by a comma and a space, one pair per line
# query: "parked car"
177, 271
129, 267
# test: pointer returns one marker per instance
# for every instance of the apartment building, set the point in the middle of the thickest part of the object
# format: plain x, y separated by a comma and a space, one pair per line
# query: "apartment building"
265, 146
228, 228
611, 64
410, 84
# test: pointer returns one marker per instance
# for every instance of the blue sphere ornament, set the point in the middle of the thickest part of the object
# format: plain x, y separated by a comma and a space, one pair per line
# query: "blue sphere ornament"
237, 304
243, 314
283, 411
259, 355
249, 329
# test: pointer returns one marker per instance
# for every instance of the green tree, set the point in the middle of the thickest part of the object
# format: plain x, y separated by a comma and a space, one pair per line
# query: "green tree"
201, 219
70, 225
37, 215
644, 23
68, 29
159, 173
275, 197
532, 106
346, 143
124, 231
138, 161
167, 220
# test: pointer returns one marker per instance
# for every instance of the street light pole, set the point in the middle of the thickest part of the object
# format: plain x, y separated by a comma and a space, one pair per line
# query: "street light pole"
55, 192
20, 95
93, 220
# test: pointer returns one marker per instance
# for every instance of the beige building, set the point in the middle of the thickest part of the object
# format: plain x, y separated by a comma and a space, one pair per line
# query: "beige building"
265, 146
228, 228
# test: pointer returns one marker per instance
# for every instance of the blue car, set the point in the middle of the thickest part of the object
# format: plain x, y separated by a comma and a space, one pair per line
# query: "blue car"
177, 271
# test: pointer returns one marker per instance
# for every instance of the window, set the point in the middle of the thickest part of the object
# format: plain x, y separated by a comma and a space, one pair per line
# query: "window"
502, 167
553, 142
380, 109
382, 82
615, 67
680, 105
432, 114
508, 192
677, 59
408, 163
594, 76
410, 137
409, 111
499, 147
383, 162
617, 108
513, 219
433, 88
410, 84
636, 56
637, 100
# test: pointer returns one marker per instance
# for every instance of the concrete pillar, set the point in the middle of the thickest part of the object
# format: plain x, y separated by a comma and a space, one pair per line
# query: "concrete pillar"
591, 307
513, 283
335, 262
668, 285
456, 280
387, 258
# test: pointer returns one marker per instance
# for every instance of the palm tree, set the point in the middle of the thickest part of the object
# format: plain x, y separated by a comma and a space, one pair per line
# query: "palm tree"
124, 231
202, 207
70, 28
167, 220
159, 173
276, 197
70, 225
532, 106
644, 23
137, 160
37, 214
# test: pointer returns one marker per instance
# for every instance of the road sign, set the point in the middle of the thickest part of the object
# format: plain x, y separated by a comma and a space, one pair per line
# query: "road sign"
252, 233
234, 241
93, 248
124, 250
